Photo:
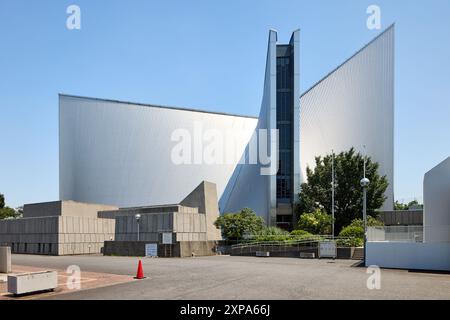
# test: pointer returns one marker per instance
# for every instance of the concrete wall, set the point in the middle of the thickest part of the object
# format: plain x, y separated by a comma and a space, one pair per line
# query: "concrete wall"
179, 249
150, 226
401, 255
112, 214
402, 217
436, 197
187, 226
204, 197
63, 235
191, 227
197, 248
146, 210
192, 220
83, 235
30, 235
64, 208
45, 209
88, 210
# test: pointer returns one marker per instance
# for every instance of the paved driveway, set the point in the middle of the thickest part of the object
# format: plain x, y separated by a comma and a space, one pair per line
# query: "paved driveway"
225, 277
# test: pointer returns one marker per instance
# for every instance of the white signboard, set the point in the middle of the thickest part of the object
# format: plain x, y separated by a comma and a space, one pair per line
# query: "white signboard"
151, 250
327, 249
167, 238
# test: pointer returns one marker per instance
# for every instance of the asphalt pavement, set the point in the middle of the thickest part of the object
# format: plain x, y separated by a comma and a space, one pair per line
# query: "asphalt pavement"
243, 278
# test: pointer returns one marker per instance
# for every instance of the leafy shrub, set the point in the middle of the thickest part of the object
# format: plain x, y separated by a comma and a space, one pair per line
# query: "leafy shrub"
352, 232
302, 235
272, 234
355, 235
371, 222
350, 242
316, 222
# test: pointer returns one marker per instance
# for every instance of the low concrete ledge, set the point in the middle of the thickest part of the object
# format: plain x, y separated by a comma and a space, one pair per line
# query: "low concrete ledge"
345, 252
307, 255
281, 251
291, 252
262, 253
181, 249
32, 282
5, 259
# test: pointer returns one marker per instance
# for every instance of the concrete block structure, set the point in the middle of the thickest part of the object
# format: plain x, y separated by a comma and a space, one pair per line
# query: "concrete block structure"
186, 222
73, 228
58, 228
190, 223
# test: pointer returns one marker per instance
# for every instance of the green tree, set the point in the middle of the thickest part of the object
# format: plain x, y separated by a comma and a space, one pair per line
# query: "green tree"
414, 203
400, 206
403, 206
316, 222
316, 193
6, 212
235, 225
19, 212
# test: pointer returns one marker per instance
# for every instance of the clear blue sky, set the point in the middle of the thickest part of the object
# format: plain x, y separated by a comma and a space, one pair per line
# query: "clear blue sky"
204, 54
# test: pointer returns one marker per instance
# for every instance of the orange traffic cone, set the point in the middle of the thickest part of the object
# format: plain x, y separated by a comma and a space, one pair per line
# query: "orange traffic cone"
140, 271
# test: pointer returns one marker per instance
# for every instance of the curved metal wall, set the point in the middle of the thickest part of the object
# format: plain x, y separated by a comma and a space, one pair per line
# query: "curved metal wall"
352, 107
120, 153
248, 187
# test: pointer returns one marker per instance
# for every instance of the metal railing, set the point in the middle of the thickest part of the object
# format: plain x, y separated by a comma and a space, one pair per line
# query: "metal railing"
291, 241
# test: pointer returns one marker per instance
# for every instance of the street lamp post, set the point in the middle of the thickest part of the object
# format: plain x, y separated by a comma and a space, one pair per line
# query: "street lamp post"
364, 184
332, 193
138, 218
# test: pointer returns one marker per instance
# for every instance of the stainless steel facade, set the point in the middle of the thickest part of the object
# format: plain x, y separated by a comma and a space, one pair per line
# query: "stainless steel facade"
353, 106
119, 153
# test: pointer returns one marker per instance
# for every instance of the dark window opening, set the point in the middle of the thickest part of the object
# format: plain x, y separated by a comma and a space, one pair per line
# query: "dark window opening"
285, 128
284, 222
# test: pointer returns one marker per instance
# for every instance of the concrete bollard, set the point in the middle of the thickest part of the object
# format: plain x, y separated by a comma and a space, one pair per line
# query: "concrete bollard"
5, 259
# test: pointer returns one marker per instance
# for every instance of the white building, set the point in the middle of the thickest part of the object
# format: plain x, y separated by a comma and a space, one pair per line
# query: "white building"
121, 153
427, 247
